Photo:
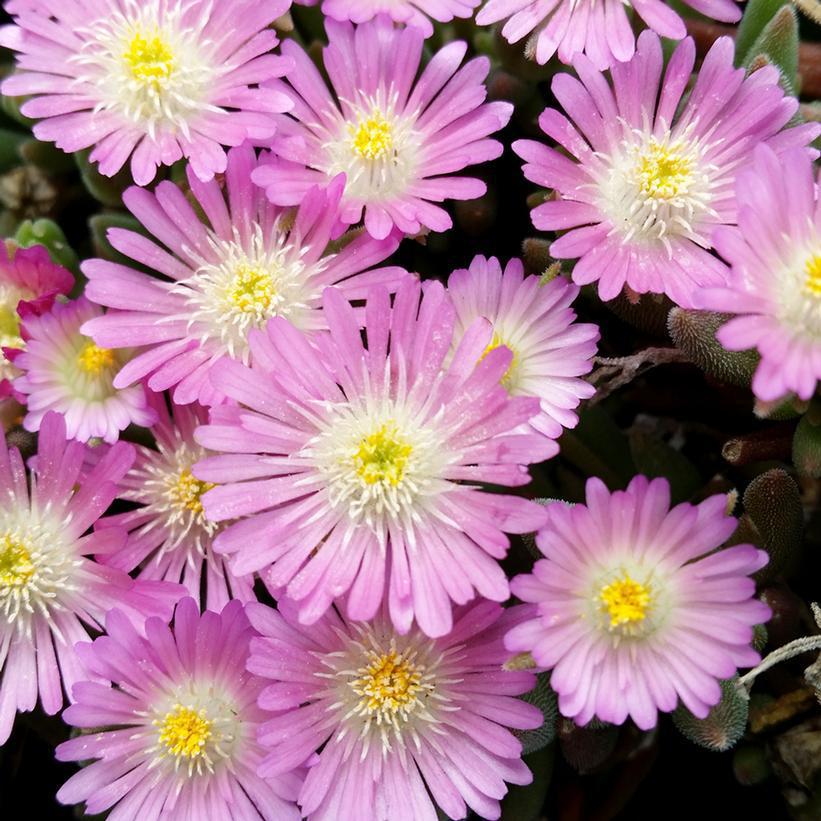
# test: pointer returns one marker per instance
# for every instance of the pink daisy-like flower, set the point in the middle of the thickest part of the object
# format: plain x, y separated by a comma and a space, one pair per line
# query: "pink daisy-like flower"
413, 12
636, 608
358, 466
398, 140
180, 724
398, 719
601, 29
29, 282
775, 276
535, 321
156, 80
170, 538
50, 591
64, 371
220, 279
644, 186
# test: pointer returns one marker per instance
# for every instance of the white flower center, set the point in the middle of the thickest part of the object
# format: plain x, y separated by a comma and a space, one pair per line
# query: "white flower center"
244, 284
381, 463
198, 727
148, 64
10, 326
656, 188
37, 566
377, 149
799, 291
88, 371
172, 495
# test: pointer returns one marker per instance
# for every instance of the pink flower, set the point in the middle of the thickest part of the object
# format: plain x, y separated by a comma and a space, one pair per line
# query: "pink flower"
169, 535
64, 371
399, 719
535, 321
186, 718
29, 282
220, 279
398, 140
156, 80
358, 466
645, 187
413, 12
636, 608
775, 276
50, 590
600, 28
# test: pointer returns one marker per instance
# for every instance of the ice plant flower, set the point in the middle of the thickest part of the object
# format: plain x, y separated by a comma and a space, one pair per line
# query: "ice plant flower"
397, 140
358, 467
398, 718
29, 282
221, 279
169, 535
50, 589
601, 29
64, 371
177, 728
413, 12
650, 177
551, 352
156, 80
636, 608
775, 276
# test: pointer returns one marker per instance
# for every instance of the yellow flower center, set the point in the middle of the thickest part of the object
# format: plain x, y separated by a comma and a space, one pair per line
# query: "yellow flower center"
812, 268
185, 732
252, 290
149, 59
94, 360
372, 136
498, 342
625, 600
187, 490
16, 568
389, 684
664, 172
382, 456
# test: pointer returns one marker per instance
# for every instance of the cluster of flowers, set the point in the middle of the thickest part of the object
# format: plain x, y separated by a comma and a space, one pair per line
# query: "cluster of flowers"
328, 426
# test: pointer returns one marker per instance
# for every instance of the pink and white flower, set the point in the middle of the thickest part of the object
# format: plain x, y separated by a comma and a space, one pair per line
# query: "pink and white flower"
357, 467
417, 13
398, 140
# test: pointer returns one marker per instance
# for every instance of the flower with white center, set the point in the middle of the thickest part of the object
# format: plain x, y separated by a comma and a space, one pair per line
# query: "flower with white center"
551, 352
397, 140
221, 279
774, 288
156, 80
180, 723
416, 13
651, 174
51, 591
401, 721
636, 608
358, 467
169, 535
63, 370
601, 29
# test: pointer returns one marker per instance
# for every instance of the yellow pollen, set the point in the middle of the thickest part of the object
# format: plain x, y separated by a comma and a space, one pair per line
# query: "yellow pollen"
149, 59
95, 360
812, 284
498, 342
372, 137
382, 456
187, 490
390, 683
663, 171
16, 568
252, 289
626, 601
185, 732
